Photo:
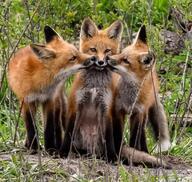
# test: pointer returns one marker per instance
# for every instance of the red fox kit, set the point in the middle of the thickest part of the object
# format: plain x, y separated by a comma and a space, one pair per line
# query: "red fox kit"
36, 75
136, 64
90, 127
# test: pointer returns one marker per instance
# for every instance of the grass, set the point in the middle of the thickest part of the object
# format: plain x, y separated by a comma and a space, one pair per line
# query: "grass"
18, 167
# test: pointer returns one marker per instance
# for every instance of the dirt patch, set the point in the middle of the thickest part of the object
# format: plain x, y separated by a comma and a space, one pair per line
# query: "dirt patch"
73, 169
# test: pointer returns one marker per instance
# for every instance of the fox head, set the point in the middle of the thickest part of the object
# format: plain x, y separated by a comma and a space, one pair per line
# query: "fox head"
57, 54
136, 58
100, 43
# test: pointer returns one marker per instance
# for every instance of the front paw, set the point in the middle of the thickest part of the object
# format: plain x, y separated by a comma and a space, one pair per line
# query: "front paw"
111, 158
32, 147
52, 152
63, 153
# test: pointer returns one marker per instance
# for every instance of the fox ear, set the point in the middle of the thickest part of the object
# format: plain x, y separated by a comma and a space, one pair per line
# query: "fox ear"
115, 30
42, 52
88, 29
50, 34
141, 35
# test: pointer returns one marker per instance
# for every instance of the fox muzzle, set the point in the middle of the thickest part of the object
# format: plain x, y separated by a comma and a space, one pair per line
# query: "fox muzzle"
89, 62
101, 63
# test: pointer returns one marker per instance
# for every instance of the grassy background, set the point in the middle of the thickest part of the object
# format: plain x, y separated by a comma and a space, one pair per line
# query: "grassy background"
22, 22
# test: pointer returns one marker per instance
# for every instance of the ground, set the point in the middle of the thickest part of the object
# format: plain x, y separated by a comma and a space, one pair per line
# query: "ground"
41, 167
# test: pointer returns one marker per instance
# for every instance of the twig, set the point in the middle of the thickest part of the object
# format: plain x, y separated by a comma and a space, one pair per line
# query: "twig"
17, 123
13, 51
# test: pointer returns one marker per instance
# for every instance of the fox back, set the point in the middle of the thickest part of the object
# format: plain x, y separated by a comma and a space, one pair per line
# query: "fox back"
34, 67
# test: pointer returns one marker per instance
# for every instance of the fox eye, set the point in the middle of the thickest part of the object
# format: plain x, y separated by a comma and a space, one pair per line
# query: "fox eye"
72, 59
92, 49
125, 61
107, 51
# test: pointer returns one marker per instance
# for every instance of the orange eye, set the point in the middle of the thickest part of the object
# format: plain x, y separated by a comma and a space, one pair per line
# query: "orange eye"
125, 61
92, 49
107, 51
72, 59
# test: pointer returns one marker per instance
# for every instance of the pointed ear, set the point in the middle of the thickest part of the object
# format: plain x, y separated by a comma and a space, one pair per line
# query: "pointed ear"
141, 35
88, 29
115, 30
50, 34
42, 52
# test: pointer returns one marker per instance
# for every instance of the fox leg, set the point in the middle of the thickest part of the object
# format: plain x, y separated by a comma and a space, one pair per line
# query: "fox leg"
28, 112
131, 155
137, 132
118, 125
109, 139
54, 114
65, 147
159, 123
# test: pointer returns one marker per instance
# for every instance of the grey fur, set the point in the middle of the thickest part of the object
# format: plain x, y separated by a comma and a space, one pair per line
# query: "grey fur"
127, 93
46, 92
92, 102
94, 78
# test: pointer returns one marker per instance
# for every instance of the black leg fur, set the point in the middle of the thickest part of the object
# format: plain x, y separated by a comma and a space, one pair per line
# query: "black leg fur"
54, 113
137, 135
53, 131
65, 147
153, 121
118, 122
29, 111
109, 138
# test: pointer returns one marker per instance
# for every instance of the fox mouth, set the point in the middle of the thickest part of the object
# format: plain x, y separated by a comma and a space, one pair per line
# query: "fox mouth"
101, 65
88, 63
95, 64
112, 63
98, 67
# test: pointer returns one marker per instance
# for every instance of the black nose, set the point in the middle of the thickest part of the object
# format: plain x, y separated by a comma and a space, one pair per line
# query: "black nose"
147, 60
101, 63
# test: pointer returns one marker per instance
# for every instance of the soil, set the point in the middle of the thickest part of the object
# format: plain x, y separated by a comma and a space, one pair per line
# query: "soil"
98, 170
